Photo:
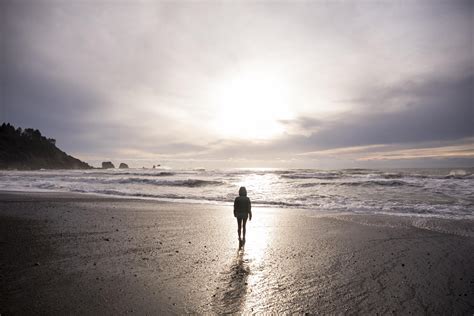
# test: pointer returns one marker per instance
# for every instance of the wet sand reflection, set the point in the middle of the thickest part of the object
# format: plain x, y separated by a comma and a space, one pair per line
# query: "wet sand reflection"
231, 298
245, 283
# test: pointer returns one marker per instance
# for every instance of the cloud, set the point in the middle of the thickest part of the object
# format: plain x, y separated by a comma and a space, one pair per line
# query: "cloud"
437, 109
138, 78
457, 151
439, 114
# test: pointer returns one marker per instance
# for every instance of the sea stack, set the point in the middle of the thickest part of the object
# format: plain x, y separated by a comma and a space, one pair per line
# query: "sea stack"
123, 166
107, 165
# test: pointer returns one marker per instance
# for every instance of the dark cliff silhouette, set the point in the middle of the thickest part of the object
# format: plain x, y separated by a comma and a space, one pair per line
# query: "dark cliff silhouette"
29, 150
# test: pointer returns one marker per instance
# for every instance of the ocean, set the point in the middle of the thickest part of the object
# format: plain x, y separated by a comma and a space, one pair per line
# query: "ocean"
442, 193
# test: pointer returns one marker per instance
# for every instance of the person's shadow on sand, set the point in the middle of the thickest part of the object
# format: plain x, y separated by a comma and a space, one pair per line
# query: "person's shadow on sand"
231, 298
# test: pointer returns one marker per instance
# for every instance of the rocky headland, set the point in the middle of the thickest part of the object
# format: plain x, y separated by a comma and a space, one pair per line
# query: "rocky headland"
29, 150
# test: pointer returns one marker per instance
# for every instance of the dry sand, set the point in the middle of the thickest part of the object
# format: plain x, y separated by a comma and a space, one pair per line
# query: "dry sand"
80, 254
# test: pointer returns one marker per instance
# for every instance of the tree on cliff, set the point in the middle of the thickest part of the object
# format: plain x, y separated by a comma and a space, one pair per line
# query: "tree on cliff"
28, 149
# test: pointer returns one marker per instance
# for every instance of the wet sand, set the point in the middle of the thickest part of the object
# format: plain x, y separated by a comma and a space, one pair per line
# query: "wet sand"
82, 254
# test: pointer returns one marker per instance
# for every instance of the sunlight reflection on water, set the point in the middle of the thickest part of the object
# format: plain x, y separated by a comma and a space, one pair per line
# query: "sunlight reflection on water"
244, 280
261, 186
258, 239
259, 236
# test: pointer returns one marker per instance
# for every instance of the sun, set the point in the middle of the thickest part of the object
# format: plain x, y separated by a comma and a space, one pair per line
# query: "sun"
251, 105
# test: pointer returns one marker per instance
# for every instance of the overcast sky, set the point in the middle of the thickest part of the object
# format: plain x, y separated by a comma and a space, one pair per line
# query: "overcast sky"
309, 84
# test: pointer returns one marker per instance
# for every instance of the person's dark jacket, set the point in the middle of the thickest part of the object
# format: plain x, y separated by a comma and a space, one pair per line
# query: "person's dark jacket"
242, 207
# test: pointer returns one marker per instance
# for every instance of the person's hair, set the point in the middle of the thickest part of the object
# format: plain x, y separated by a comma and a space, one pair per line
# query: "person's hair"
243, 191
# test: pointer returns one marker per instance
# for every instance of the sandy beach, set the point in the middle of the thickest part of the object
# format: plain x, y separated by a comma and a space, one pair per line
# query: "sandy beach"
85, 254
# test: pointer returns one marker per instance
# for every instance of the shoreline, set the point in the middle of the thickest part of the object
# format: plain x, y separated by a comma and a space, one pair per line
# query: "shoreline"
210, 202
457, 226
76, 253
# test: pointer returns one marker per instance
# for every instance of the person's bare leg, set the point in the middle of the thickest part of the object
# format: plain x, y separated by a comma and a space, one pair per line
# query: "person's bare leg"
239, 226
244, 226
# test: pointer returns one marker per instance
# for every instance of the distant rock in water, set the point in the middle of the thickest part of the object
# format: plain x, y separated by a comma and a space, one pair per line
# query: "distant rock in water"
29, 150
107, 165
123, 166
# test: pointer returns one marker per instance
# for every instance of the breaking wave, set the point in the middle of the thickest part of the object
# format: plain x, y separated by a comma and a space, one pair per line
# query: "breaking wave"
318, 175
420, 192
141, 174
174, 183
392, 183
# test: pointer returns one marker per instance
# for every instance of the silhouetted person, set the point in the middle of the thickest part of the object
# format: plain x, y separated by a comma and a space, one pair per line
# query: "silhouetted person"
242, 211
